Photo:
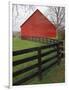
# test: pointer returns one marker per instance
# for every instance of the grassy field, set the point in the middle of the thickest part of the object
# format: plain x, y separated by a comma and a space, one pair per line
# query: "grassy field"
23, 44
48, 76
56, 74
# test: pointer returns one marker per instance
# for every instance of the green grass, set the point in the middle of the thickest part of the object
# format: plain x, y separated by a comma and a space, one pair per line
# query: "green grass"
19, 44
48, 76
24, 44
56, 74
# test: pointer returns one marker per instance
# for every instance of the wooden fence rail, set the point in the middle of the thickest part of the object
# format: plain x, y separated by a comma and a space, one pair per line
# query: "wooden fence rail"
40, 63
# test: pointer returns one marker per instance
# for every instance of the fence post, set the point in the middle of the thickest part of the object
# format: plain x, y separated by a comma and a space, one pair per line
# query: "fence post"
58, 53
39, 64
63, 50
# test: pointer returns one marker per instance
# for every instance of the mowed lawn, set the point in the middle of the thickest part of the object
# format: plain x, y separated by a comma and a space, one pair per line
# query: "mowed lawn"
24, 44
48, 76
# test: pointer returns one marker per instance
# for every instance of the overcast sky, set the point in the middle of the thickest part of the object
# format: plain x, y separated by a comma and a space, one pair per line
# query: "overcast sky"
20, 13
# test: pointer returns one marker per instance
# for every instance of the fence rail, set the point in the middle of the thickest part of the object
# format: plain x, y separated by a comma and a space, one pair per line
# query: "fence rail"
57, 48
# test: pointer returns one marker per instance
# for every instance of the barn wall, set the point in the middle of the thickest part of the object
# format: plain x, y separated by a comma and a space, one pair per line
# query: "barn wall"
38, 26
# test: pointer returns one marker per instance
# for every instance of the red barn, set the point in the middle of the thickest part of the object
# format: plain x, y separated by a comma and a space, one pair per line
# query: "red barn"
37, 25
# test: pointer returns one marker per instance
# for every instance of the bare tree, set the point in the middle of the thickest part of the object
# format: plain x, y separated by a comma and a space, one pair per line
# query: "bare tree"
57, 16
25, 8
20, 12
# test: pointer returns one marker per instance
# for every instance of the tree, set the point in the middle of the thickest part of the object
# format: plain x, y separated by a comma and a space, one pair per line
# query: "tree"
57, 16
25, 8
19, 13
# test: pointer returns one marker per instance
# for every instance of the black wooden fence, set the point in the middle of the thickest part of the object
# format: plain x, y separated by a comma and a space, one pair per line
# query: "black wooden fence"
57, 48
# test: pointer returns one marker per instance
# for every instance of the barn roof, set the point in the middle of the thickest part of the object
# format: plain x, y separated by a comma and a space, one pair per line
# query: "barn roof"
36, 12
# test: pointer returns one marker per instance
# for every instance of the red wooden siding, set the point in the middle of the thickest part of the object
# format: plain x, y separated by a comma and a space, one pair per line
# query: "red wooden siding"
38, 26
